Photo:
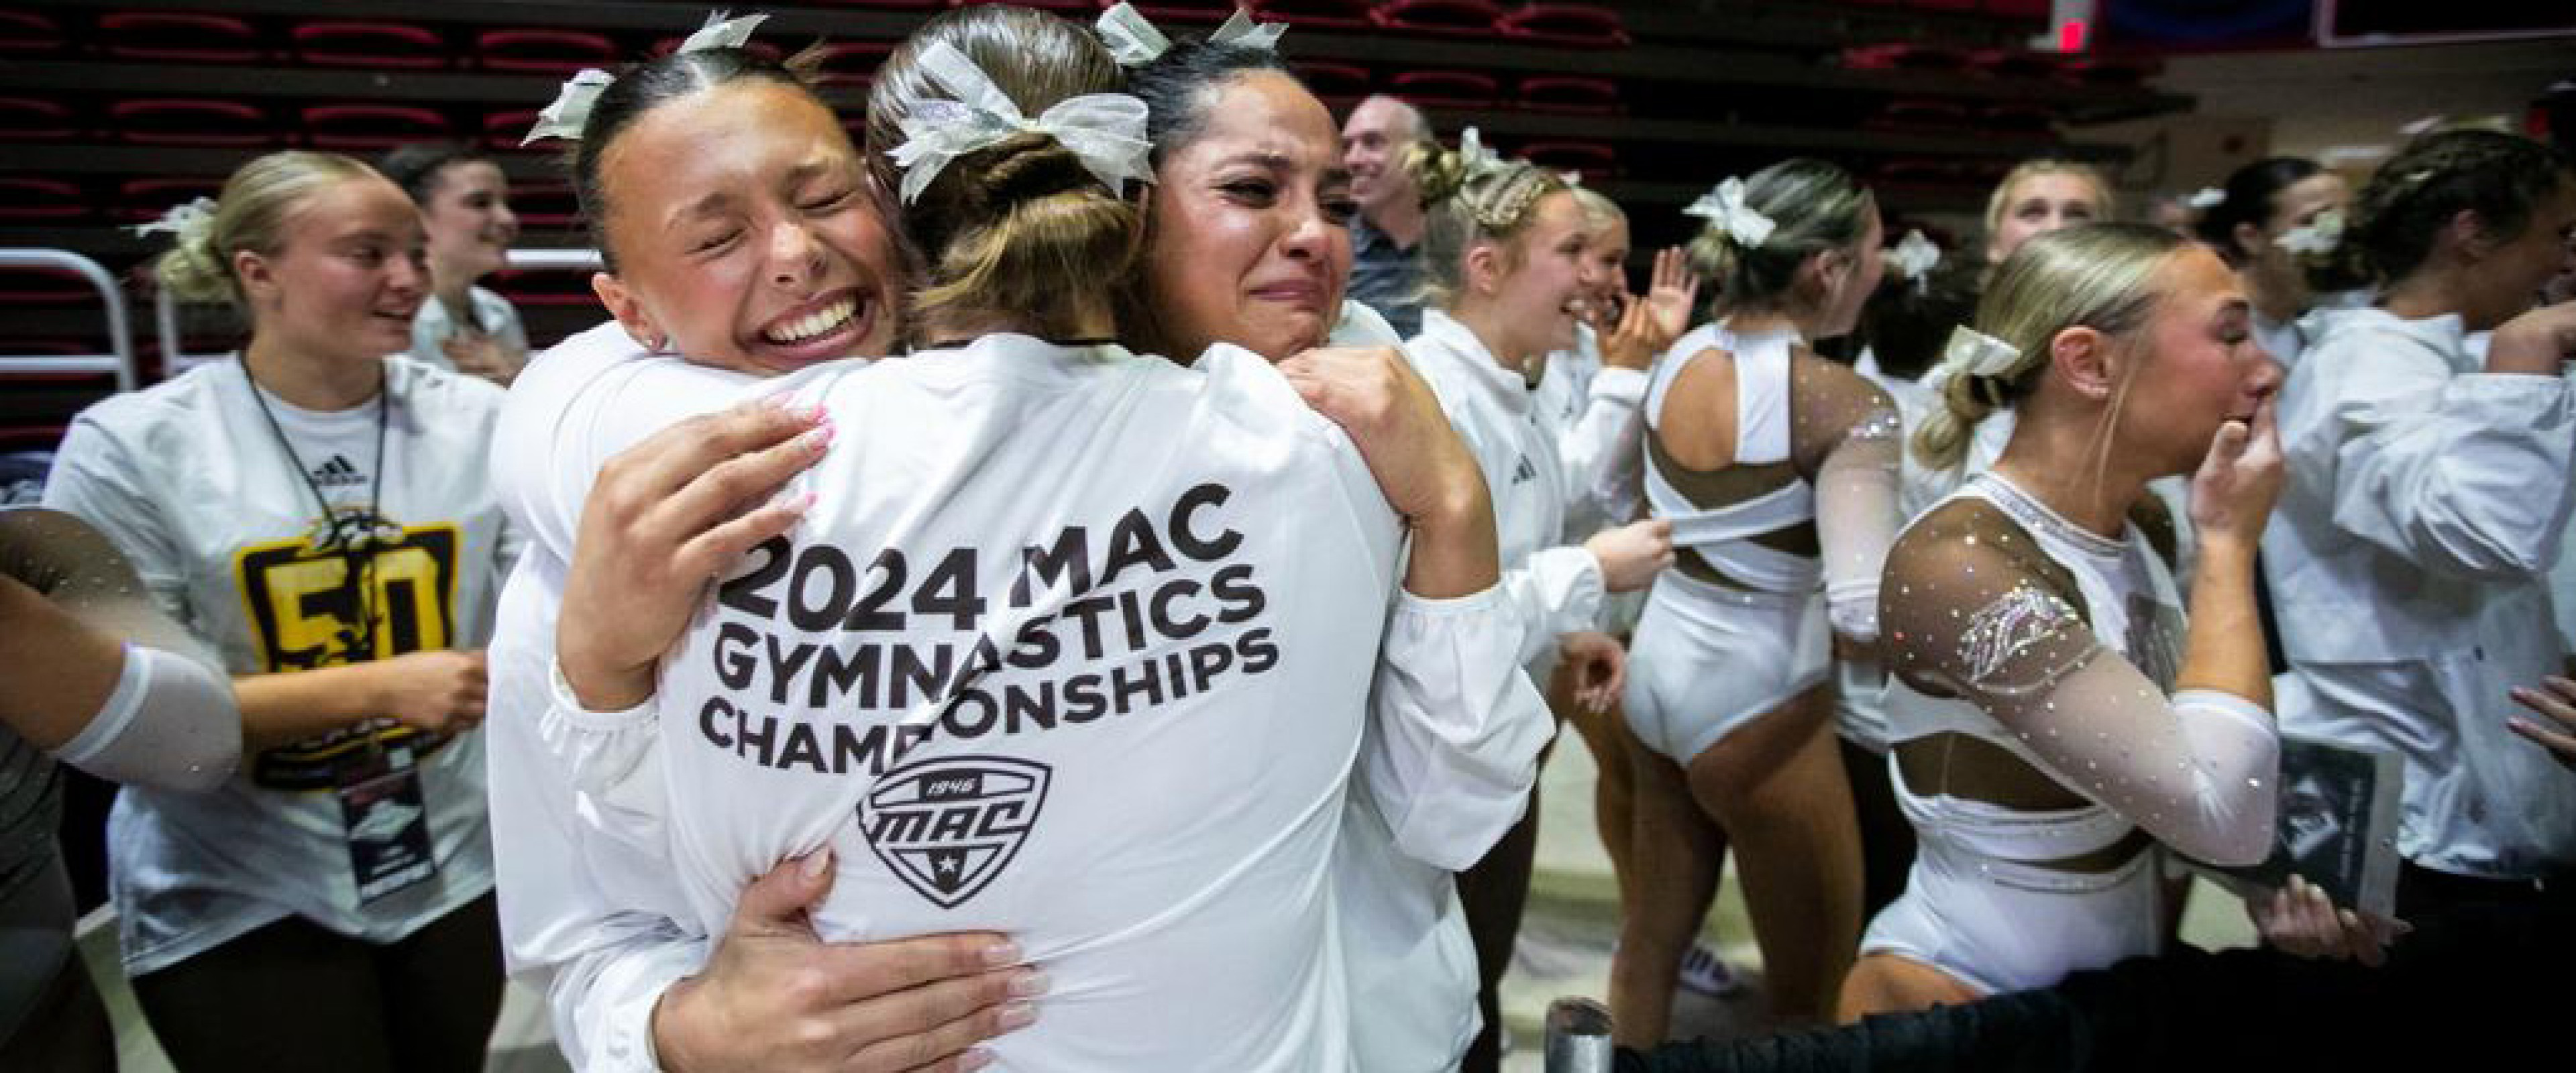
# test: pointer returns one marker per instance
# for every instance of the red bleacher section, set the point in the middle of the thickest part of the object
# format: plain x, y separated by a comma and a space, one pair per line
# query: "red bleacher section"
107, 117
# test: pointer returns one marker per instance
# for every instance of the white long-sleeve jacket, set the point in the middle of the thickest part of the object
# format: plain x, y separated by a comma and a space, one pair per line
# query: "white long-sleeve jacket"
2426, 500
1598, 410
1450, 752
1556, 588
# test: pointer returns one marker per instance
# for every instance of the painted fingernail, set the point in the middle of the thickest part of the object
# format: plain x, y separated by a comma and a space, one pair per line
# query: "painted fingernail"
798, 504
1005, 952
974, 1060
1018, 1015
818, 438
1031, 984
818, 862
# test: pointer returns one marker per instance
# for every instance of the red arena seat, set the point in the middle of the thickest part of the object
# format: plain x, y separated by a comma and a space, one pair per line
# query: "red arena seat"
31, 199
1901, 56
191, 121
766, 50
1575, 25
372, 126
1912, 114
2021, 117
504, 130
1338, 85
30, 33
182, 36
852, 63
1183, 10
29, 119
543, 51
2018, 9
1465, 18
892, 5
1591, 160
384, 45
46, 286
138, 200
1569, 93
545, 206
1446, 89
539, 287
1067, 8
2012, 63
1320, 14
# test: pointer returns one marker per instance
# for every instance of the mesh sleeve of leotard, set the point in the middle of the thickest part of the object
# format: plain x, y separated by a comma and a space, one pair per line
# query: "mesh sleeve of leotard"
1847, 438
1972, 609
169, 720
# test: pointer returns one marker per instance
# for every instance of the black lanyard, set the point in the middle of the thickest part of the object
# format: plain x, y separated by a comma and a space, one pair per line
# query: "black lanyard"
358, 554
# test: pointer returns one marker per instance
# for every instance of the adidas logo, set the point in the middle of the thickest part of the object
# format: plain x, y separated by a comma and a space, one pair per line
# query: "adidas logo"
1524, 471
339, 472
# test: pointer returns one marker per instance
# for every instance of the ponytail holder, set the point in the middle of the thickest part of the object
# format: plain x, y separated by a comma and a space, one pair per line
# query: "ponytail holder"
1105, 131
1914, 257
1134, 42
571, 109
2206, 198
1974, 353
1725, 207
2317, 237
184, 221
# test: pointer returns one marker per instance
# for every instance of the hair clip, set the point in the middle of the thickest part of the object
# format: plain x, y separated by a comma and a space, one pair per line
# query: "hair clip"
1106, 131
1725, 207
2206, 198
1914, 257
571, 108
1134, 42
186, 221
1974, 353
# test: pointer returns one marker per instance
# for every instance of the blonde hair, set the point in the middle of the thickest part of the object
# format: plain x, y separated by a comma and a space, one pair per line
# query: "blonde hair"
2098, 276
250, 214
1814, 207
1021, 226
2001, 200
1465, 203
1599, 212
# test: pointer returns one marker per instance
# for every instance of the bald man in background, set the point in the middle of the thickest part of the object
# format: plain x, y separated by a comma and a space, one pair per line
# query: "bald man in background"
1386, 239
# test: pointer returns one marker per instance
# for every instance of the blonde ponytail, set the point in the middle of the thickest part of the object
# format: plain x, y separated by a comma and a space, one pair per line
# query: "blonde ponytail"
250, 214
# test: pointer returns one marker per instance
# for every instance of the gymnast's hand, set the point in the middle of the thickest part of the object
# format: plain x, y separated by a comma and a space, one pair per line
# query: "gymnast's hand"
1419, 462
2556, 698
1600, 667
2299, 920
775, 997
665, 516
1632, 554
1649, 325
2240, 479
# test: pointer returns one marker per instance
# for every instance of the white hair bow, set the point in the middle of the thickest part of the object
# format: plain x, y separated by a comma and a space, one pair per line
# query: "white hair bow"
1725, 207
1134, 42
2315, 238
1914, 256
1106, 131
1474, 156
1974, 353
183, 220
2206, 198
571, 109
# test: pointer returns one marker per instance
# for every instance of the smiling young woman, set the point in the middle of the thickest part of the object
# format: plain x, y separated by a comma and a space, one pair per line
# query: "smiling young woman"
319, 513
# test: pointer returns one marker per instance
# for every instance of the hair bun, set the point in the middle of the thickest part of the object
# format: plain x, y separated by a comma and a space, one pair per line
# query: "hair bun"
1027, 167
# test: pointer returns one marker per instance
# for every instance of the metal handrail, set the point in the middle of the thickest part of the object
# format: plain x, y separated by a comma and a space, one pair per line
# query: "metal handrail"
120, 337
165, 312
1578, 1037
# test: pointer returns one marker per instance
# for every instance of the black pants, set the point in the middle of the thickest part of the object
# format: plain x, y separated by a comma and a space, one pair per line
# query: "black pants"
292, 997
2473, 986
